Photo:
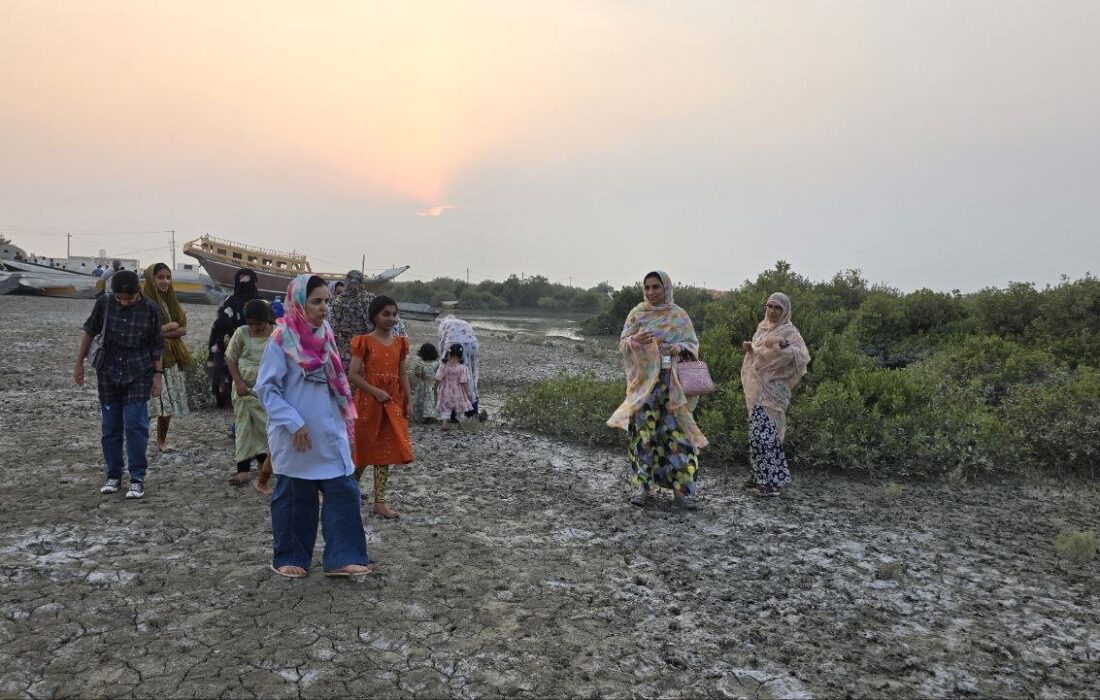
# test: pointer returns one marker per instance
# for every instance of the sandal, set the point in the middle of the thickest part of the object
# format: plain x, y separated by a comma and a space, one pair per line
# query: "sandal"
263, 487
301, 573
749, 485
351, 571
685, 502
240, 479
641, 499
384, 512
765, 492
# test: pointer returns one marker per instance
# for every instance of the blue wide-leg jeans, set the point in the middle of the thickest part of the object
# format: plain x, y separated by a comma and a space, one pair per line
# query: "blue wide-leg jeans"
294, 509
129, 423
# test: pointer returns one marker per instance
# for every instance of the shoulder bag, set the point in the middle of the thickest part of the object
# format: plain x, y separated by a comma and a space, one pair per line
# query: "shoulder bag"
97, 354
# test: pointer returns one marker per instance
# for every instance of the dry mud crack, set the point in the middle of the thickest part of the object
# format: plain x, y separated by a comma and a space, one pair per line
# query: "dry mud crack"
518, 570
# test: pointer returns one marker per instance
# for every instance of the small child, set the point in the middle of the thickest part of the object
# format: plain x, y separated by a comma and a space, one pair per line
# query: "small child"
452, 386
242, 359
421, 379
382, 400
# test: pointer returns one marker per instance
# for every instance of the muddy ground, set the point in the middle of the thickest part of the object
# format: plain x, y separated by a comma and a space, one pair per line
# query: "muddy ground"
518, 569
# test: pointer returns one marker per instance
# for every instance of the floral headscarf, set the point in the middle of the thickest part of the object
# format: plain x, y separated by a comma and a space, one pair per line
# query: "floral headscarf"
771, 372
670, 326
313, 347
175, 350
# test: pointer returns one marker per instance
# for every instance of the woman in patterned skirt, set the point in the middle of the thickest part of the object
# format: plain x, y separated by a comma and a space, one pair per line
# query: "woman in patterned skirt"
775, 360
664, 439
173, 399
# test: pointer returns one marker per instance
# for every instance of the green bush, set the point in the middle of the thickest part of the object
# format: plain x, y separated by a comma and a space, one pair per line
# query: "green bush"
927, 383
571, 406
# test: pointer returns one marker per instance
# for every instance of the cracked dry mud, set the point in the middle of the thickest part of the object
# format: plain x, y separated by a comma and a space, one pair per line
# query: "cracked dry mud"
518, 569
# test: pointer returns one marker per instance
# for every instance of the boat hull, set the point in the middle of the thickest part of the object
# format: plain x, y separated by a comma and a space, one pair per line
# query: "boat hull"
272, 284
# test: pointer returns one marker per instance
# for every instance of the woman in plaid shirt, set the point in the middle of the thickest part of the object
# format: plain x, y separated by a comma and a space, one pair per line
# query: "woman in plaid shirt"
129, 376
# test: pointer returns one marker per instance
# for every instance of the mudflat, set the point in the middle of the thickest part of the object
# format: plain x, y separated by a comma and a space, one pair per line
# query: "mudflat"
518, 568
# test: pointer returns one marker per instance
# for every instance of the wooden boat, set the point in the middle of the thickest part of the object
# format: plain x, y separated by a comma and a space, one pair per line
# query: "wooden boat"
274, 269
27, 277
416, 312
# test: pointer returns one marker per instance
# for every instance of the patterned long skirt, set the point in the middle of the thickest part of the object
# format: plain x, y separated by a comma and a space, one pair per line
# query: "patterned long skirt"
659, 451
173, 396
767, 459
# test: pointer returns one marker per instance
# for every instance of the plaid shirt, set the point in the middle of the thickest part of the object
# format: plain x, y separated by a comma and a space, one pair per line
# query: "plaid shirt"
133, 341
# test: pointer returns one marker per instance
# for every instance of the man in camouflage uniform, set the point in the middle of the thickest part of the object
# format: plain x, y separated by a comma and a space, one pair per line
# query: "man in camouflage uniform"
348, 316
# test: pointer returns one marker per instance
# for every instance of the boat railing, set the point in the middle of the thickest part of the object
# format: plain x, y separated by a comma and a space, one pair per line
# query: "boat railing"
240, 247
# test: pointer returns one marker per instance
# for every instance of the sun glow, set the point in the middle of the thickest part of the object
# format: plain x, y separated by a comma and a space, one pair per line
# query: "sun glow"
390, 101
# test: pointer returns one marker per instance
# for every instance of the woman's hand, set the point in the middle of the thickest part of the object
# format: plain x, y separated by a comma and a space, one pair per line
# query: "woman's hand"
242, 388
381, 396
642, 337
746, 346
170, 326
301, 440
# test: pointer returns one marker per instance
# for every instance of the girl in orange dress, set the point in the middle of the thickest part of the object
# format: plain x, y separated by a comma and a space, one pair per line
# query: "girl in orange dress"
382, 400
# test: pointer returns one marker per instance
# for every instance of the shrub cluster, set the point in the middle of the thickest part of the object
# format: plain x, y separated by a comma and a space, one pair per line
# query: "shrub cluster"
922, 383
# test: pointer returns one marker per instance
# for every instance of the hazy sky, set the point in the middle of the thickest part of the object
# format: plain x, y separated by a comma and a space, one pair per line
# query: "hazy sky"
950, 144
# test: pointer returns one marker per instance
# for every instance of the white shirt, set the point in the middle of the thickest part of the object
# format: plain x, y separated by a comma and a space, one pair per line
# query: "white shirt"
292, 401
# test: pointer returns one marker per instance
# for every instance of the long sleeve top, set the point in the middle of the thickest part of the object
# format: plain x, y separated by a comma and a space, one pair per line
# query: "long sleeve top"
293, 400
133, 340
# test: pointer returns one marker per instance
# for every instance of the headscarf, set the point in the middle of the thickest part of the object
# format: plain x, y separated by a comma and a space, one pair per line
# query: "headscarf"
670, 325
313, 347
332, 288
175, 350
244, 285
770, 373
355, 277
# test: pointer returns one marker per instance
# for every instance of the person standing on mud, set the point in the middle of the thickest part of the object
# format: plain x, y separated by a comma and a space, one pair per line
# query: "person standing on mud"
173, 399
310, 416
229, 318
775, 360
128, 375
664, 441
242, 359
455, 331
382, 401
351, 316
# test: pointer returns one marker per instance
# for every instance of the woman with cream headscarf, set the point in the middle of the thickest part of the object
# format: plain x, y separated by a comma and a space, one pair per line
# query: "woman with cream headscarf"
664, 441
775, 360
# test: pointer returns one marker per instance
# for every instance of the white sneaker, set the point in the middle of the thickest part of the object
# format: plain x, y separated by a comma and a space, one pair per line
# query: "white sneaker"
111, 486
137, 490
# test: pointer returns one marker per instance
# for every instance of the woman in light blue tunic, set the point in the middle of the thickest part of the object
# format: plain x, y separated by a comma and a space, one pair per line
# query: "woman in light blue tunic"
308, 401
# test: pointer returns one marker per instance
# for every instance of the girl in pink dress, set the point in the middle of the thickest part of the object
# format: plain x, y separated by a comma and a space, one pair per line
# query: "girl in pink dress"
452, 386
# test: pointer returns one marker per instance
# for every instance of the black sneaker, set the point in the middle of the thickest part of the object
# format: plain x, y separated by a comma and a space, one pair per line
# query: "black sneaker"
137, 490
111, 486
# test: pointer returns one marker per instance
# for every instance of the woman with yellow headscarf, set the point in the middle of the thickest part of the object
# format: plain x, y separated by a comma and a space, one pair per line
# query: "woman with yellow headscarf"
173, 399
664, 439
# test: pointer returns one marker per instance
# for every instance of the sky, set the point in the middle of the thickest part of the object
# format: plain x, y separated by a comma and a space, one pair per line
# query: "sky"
950, 144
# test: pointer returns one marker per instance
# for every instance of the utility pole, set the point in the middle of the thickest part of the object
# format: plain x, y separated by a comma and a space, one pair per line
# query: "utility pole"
68, 245
363, 264
173, 232
467, 276
570, 280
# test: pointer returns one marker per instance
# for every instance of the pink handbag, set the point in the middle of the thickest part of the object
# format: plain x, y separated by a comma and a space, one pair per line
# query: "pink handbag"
695, 378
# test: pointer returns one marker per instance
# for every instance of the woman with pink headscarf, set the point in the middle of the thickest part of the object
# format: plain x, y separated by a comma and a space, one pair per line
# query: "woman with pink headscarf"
310, 414
775, 360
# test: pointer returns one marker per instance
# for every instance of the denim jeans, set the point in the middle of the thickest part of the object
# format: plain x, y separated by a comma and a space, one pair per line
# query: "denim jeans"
294, 508
132, 421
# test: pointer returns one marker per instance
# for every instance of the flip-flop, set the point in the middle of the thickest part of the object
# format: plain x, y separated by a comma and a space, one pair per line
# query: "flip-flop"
350, 574
263, 489
286, 575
